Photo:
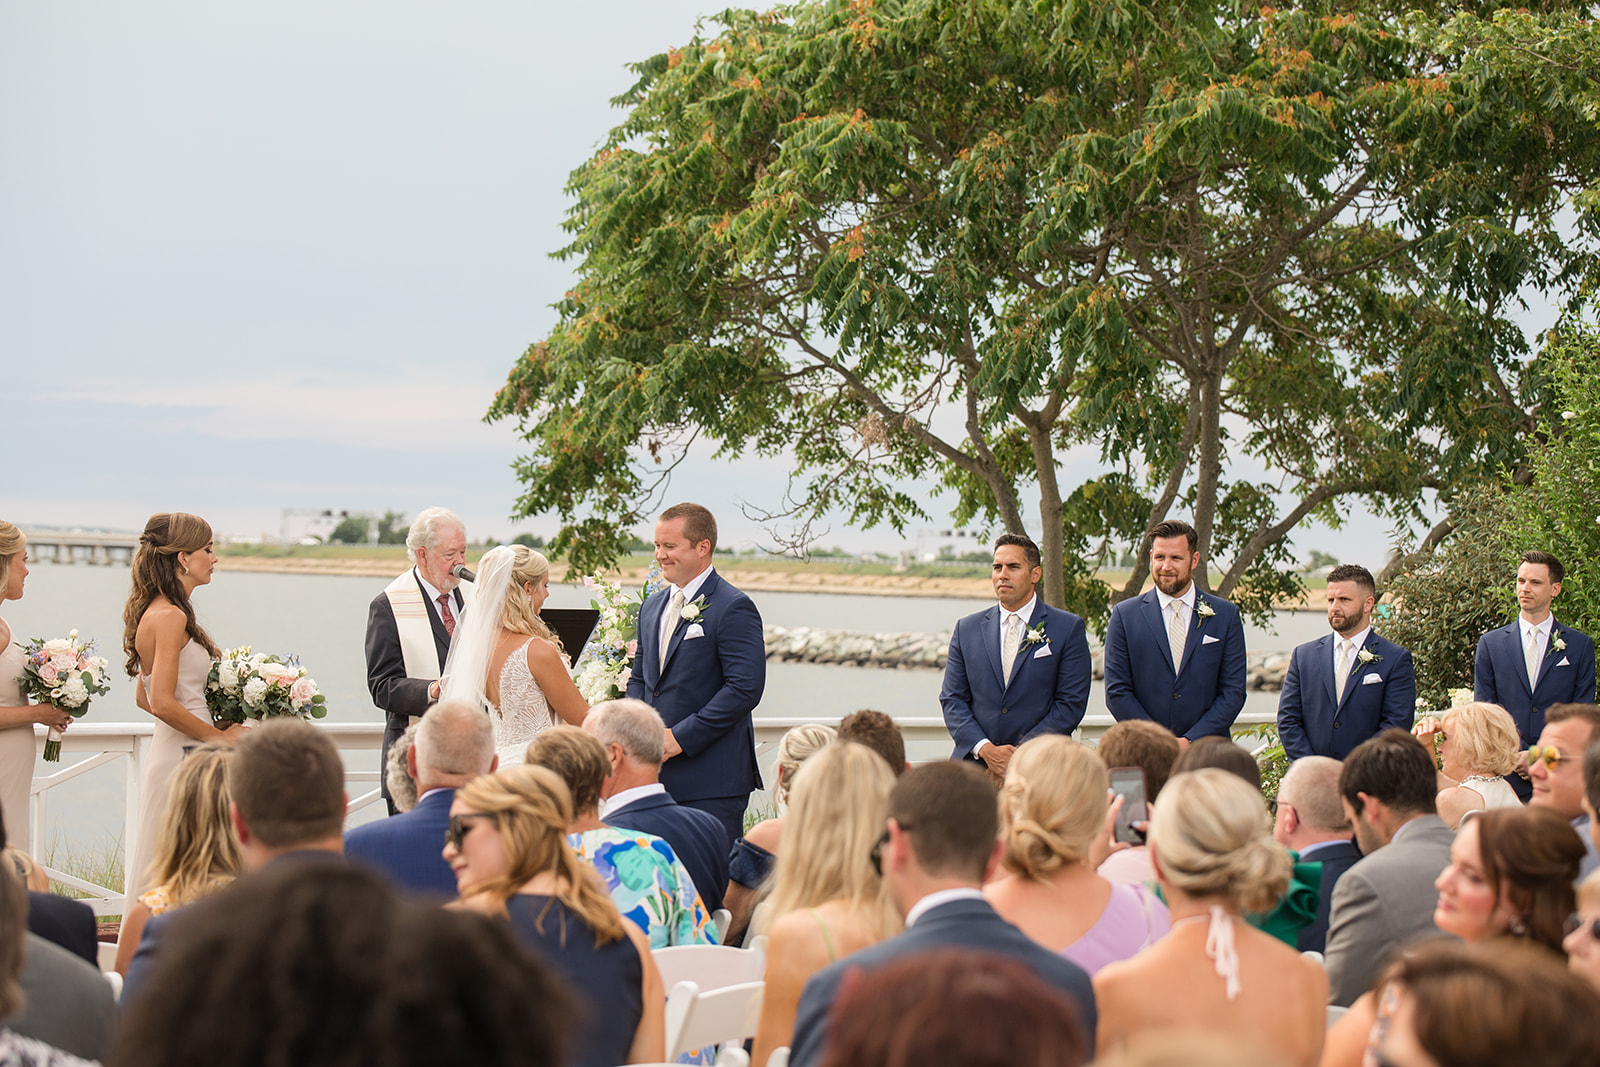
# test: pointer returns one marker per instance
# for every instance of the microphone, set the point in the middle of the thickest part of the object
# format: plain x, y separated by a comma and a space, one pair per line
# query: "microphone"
460, 571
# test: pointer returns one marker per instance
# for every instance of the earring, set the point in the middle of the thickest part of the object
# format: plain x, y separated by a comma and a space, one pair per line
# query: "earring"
1517, 928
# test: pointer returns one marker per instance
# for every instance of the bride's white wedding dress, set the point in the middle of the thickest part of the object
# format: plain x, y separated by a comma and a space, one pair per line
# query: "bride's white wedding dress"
523, 712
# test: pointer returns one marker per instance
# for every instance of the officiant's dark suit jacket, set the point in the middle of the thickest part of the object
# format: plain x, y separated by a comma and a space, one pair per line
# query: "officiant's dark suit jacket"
960, 924
409, 848
399, 697
1378, 695
1199, 697
707, 690
1046, 693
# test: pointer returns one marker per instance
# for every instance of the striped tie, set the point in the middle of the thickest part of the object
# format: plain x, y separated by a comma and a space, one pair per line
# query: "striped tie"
445, 614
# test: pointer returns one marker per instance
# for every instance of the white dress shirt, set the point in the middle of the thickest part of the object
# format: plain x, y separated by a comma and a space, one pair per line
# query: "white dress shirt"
1542, 629
628, 796
1186, 599
935, 899
1022, 614
689, 592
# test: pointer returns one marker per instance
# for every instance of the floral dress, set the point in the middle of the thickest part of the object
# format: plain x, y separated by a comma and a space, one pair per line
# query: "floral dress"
649, 884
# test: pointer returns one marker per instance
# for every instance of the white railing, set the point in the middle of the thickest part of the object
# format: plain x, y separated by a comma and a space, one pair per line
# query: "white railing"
101, 743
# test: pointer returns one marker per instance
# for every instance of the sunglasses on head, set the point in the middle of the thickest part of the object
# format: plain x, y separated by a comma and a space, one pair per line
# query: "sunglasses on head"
458, 828
1547, 755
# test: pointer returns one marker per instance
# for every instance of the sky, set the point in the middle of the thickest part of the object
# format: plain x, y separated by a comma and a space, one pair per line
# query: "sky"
258, 256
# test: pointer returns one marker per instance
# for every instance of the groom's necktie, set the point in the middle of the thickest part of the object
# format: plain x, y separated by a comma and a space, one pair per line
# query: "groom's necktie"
674, 613
1530, 654
1177, 633
445, 614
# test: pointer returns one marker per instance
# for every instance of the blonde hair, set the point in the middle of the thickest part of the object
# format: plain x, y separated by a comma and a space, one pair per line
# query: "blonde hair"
11, 542
155, 574
533, 809
797, 746
196, 851
1211, 837
519, 616
837, 811
1052, 805
1589, 891
1485, 736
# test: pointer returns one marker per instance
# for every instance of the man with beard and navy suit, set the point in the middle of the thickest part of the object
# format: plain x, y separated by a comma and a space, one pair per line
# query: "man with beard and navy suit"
1349, 685
1535, 661
1017, 670
1176, 655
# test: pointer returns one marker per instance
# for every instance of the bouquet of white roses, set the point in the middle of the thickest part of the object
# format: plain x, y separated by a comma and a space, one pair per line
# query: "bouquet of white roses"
245, 686
64, 673
607, 660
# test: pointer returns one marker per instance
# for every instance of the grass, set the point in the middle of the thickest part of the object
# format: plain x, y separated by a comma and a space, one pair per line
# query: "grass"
761, 814
101, 863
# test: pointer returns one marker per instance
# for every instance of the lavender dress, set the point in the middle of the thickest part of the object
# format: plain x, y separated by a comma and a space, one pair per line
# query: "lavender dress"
1133, 919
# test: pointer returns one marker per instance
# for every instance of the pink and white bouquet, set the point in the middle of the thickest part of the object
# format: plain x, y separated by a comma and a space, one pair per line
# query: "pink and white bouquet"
246, 686
607, 660
64, 673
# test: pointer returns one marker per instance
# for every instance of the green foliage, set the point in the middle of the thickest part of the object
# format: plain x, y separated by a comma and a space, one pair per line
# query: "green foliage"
351, 531
1320, 559
529, 540
1272, 760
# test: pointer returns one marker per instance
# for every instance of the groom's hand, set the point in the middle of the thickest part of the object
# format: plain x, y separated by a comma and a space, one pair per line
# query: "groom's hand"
672, 747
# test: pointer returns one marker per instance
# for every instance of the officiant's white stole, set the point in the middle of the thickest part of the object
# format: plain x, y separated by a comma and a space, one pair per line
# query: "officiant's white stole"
416, 628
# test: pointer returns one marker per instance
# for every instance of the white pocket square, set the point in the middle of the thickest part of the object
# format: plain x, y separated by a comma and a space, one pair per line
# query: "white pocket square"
693, 632
1209, 640
1565, 662
1043, 652
1371, 679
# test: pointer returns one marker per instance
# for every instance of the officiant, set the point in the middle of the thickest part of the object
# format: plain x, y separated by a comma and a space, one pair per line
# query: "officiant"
410, 625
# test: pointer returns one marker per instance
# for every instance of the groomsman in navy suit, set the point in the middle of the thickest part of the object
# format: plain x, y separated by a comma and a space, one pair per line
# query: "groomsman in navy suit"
1176, 655
1349, 685
1535, 661
701, 662
1016, 670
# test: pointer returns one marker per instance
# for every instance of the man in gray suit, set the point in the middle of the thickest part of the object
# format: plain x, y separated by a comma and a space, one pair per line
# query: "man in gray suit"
1386, 900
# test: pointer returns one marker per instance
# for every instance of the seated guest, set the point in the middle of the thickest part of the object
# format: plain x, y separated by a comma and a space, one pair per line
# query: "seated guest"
1387, 898
1153, 749
507, 845
398, 775
1052, 805
635, 742
55, 1009
319, 963
1310, 821
880, 733
1449, 1004
287, 784
750, 862
1221, 753
27, 868
1215, 972
196, 853
60, 921
827, 900
1582, 943
1555, 765
920, 1010
1478, 747
454, 744
938, 847
641, 872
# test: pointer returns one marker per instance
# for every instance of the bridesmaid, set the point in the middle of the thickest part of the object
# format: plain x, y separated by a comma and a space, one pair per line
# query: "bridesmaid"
171, 656
17, 716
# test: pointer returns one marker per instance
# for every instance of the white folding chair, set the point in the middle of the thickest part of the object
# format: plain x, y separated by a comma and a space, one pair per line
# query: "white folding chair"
114, 980
779, 1057
711, 966
758, 923
696, 1020
722, 918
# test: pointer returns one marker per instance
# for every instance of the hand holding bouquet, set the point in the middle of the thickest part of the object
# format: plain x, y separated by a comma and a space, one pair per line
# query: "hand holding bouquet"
63, 673
246, 686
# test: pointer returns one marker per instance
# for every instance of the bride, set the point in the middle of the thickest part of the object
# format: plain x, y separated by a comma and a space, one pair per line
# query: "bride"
512, 663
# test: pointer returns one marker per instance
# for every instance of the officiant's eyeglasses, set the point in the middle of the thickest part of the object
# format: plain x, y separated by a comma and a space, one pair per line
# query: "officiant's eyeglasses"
1548, 755
458, 829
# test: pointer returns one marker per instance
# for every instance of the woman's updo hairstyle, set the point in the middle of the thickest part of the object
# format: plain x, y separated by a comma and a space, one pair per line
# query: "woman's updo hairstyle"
519, 616
1052, 805
1211, 838
797, 746
155, 574
11, 542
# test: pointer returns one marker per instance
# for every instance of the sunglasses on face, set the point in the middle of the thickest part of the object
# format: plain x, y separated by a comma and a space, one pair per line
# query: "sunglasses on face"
1576, 921
876, 854
458, 828
1547, 755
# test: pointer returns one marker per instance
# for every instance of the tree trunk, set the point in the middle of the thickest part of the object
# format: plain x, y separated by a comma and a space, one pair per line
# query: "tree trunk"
1209, 473
1052, 537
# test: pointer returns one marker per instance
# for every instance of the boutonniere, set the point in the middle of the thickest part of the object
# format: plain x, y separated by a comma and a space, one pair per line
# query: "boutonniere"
1366, 656
1202, 612
1556, 644
694, 609
1034, 636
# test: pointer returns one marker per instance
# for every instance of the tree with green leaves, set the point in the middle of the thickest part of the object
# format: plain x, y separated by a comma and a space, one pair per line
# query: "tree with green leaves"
951, 242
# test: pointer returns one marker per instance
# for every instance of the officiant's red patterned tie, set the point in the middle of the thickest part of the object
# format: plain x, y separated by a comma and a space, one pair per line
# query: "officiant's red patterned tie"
444, 611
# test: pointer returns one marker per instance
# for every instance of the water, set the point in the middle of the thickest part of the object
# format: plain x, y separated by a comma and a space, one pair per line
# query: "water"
322, 618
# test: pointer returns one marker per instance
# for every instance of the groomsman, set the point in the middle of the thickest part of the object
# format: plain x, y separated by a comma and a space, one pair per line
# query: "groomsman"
1016, 670
1176, 655
410, 624
1349, 685
1534, 661
702, 664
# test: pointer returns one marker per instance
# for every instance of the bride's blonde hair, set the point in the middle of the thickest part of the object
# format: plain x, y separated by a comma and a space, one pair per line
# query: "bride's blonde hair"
519, 616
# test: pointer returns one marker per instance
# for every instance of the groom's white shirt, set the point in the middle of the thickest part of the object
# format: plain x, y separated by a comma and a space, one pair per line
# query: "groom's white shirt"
689, 592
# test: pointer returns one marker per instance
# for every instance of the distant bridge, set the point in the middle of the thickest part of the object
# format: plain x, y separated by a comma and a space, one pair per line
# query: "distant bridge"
81, 546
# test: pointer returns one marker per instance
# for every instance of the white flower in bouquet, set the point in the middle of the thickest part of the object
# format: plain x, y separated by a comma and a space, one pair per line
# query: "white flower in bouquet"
60, 646
228, 675
73, 692
301, 692
1461, 696
255, 692
279, 674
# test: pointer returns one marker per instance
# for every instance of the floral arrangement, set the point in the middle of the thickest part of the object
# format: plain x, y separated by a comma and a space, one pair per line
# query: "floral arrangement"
607, 660
64, 673
245, 686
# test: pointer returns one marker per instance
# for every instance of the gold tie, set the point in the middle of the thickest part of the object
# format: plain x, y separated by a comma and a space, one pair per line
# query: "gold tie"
1008, 647
1176, 635
674, 613
1341, 671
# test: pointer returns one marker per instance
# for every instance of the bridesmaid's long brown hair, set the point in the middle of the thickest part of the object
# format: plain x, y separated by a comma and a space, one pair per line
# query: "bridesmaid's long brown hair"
155, 574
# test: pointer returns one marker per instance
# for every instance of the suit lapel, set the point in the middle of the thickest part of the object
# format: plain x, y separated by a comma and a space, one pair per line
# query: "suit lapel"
1025, 651
991, 643
707, 590
1323, 655
1350, 682
1158, 629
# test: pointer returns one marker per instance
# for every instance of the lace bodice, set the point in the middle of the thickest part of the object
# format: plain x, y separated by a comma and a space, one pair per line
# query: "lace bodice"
523, 713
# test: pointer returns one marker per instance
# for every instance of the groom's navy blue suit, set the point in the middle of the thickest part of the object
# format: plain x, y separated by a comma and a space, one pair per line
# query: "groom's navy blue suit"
1201, 696
1047, 692
1500, 676
1378, 695
705, 693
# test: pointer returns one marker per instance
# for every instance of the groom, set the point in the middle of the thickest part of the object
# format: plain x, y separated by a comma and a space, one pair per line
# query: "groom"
702, 664
410, 624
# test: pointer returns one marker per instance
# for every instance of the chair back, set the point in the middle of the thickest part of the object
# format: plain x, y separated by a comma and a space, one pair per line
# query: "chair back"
722, 918
711, 966
696, 1020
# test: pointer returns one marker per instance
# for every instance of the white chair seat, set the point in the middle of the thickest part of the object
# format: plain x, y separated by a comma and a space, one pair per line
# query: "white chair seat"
696, 1020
